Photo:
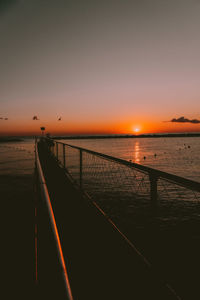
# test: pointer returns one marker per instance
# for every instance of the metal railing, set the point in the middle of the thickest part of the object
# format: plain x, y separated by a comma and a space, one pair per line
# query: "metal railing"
45, 196
106, 178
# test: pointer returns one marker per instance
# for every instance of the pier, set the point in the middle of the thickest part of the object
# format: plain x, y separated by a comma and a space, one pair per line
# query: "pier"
82, 253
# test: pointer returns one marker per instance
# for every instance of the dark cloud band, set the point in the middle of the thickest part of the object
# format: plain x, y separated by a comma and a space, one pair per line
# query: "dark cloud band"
185, 120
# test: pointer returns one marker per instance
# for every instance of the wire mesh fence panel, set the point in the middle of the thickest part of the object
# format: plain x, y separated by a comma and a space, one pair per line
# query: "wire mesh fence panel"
177, 202
72, 162
53, 148
60, 153
114, 186
102, 175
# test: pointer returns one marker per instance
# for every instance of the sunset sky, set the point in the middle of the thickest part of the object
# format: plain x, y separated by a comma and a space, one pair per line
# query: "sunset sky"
103, 66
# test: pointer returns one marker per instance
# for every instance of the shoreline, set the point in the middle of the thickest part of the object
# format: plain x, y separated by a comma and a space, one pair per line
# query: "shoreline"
168, 135
109, 136
7, 140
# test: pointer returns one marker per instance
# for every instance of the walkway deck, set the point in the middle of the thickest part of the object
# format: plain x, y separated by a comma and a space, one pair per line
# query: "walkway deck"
101, 265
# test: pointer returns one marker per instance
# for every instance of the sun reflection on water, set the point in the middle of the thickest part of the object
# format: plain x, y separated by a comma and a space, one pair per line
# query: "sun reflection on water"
137, 152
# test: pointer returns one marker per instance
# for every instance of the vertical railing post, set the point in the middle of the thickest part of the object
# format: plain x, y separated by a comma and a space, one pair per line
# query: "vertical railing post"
57, 150
153, 190
81, 169
64, 155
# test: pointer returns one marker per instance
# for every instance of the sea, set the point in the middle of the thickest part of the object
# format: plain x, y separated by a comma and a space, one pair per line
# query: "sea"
176, 155
180, 156
17, 158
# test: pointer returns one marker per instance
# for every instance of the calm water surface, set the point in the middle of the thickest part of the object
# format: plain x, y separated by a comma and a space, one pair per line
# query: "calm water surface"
17, 158
180, 156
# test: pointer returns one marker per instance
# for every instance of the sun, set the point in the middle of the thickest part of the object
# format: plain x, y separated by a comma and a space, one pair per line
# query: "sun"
136, 129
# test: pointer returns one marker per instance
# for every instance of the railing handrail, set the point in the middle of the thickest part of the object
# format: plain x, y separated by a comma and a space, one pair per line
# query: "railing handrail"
53, 223
181, 181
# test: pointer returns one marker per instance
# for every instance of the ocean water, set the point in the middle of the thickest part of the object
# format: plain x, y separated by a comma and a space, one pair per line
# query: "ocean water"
180, 156
17, 158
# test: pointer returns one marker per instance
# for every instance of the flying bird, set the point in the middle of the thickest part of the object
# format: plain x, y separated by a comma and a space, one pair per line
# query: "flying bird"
35, 118
6, 119
59, 119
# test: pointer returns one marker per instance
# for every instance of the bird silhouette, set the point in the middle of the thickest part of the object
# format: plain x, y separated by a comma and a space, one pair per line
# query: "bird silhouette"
35, 118
59, 119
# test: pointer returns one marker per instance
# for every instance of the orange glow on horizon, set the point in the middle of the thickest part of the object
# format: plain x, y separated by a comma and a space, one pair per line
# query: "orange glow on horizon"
139, 126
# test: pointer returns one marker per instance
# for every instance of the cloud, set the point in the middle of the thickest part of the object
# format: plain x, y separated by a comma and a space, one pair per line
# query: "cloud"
185, 120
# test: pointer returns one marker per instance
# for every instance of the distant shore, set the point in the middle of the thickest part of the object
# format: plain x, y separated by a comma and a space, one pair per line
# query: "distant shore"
10, 139
6, 139
167, 135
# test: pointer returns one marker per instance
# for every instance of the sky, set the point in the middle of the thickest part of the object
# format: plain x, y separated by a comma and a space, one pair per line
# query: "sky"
102, 66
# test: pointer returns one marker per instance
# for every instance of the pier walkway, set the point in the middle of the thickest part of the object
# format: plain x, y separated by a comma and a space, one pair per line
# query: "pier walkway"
100, 262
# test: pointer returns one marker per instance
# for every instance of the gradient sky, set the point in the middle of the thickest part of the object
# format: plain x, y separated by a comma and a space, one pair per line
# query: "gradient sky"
104, 66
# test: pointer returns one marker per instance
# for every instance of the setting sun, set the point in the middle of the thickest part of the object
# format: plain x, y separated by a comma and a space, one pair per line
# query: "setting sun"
136, 129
